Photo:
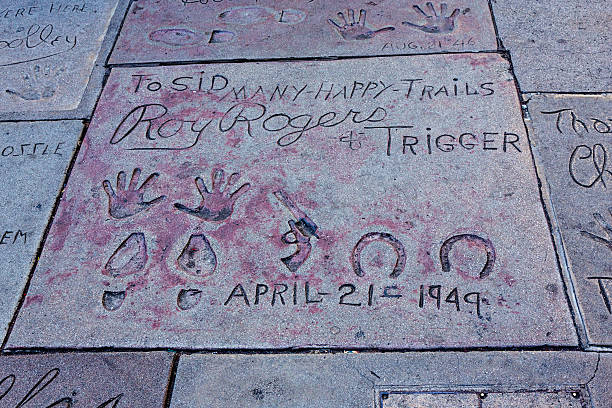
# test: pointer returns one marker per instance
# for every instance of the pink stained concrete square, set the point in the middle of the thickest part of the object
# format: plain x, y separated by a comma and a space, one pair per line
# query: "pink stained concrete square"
186, 30
386, 203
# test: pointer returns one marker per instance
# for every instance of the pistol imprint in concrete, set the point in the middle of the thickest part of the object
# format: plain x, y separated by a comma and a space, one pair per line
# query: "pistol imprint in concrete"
187, 30
572, 136
48, 50
103, 380
387, 203
557, 45
34, 157
392, 380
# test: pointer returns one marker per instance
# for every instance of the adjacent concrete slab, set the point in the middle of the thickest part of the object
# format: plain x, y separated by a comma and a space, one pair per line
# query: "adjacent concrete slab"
48, 50
84, 380
202, 30
557, 45
356, 203
572, 136
393, 380
34, 157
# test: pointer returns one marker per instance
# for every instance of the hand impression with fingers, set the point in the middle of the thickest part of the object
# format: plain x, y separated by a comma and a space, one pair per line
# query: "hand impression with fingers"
129, 201
434, 22
350, 29
605, 226
218, 204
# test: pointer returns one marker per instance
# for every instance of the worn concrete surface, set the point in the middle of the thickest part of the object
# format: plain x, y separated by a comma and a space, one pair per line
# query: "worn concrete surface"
353, 380
48, 55
382, 204
571, 135
33, 160
557, 45
394, 242
84, 380
186, 30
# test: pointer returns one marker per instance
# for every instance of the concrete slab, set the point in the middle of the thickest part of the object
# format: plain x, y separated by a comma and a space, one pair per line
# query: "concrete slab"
394, 215
34, 157
202, 30
393, 380
84, 380
572, 140
48, 50
557, 45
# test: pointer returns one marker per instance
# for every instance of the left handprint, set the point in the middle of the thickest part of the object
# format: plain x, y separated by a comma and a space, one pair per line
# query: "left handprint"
128, 201
350, 28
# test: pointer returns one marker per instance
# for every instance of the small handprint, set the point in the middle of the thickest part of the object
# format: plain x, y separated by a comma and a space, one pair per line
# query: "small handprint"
41, 82
350, 29
217, 205
605, 226
129, 201
434, 22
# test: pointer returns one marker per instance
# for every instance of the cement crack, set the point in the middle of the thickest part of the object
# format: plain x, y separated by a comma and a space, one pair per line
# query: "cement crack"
596, 369
364, 376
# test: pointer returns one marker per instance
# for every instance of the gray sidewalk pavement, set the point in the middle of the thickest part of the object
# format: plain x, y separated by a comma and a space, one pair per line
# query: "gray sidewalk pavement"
305, 203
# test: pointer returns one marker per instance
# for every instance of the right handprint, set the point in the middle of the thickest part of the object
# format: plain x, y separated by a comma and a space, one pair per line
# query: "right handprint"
218, 204
435, 23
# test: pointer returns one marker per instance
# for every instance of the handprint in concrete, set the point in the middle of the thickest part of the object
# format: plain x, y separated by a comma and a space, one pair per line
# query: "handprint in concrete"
218, 204
128, 201
435, 23
605, 226
41, 82
351, 29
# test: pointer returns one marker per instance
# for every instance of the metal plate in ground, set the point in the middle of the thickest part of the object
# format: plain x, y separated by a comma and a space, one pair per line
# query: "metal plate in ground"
202, 30
371, 210
485, 399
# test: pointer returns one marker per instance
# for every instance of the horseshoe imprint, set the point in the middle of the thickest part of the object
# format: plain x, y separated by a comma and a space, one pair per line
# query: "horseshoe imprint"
483, 243
370, 237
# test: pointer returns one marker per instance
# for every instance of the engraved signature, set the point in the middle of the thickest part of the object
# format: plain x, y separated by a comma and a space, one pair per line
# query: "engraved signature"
37, 36
599, 171
7, 383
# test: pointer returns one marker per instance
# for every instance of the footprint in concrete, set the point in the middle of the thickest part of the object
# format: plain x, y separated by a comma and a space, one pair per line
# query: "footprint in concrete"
188, 298
246, 15
197, 259
221, 36
113, 300
129, 258
39, 83
291, 16
184, 37
176, 37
